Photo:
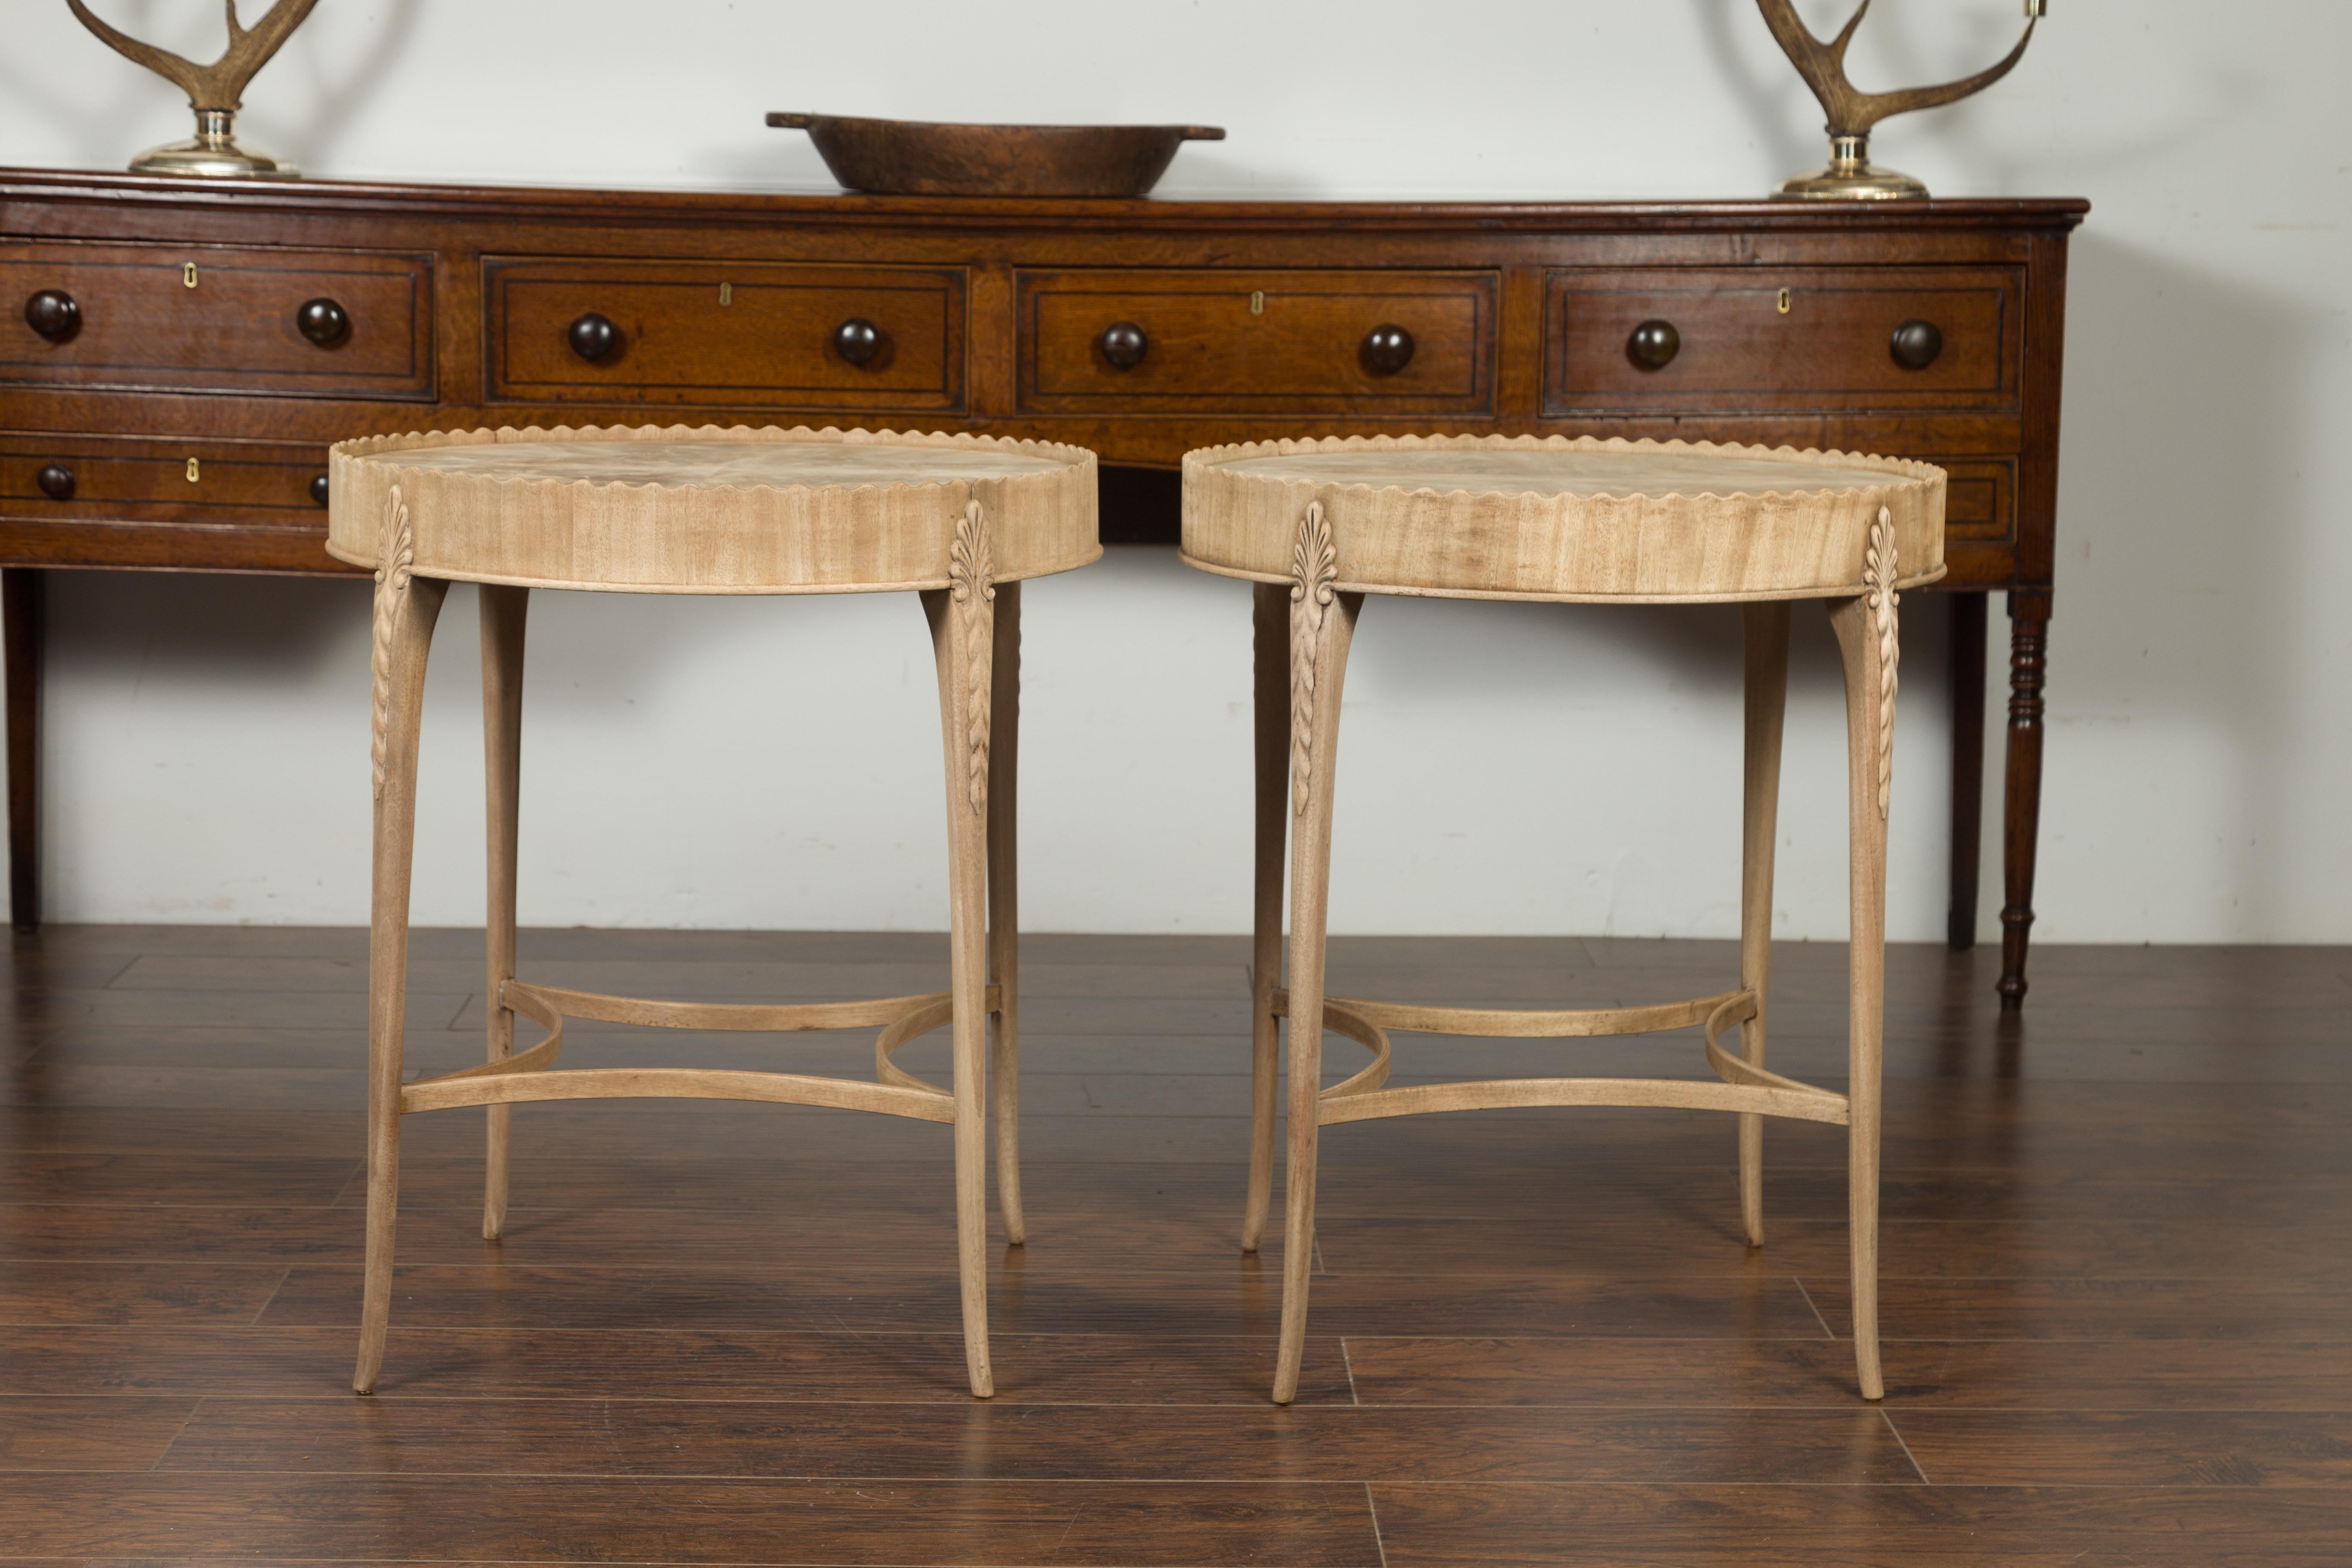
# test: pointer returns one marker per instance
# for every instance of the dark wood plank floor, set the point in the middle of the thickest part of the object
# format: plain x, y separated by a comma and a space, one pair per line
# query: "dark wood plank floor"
2118, 1294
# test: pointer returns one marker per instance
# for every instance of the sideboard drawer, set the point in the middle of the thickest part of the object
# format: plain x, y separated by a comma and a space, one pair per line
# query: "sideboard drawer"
112, 477
193, 318
1980, 498
1275, 341
727, 334
1782, 338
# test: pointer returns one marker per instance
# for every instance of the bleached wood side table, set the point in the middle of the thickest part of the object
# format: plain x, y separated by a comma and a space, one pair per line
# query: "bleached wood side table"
1318, 524
960, 519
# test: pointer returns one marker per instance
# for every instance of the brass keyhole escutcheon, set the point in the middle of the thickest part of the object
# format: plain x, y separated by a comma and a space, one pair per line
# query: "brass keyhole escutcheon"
727, 293
1785, 299
195, 473
188, 276
1257, 302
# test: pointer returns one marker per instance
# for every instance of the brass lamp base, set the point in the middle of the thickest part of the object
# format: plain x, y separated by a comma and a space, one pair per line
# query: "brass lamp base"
1851, 176
212, 153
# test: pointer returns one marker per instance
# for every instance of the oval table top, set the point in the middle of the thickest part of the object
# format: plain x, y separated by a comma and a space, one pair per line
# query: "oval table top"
709, 509
1527, 517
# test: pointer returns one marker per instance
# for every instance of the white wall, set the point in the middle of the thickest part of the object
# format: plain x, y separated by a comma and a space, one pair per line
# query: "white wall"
1507, 768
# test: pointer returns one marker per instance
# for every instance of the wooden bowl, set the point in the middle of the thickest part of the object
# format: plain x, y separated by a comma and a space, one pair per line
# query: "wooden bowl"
917, 158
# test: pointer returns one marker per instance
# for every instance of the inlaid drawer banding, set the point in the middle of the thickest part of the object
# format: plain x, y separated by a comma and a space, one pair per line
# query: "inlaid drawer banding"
1205, 340
145, 317
729, 334
102, 476
1729, 339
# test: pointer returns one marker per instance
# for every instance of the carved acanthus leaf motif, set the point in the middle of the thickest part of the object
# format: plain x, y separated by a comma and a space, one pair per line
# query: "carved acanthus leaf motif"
1314, 566
1878, 576
970, 564
396, 554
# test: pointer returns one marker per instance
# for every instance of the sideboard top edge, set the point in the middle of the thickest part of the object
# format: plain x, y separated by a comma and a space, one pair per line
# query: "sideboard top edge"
326, 196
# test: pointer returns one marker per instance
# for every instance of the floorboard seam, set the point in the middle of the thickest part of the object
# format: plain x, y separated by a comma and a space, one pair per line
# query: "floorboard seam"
283, 1274
165, 1452
1889, 1419
1373, 1508
1808, 1295
1344, 1361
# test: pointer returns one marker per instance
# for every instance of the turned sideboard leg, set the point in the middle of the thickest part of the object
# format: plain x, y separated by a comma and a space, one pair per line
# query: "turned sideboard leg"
22, 593
1271, 728
1968, 765
1004, 909
405, 609
504, 610
2029, 617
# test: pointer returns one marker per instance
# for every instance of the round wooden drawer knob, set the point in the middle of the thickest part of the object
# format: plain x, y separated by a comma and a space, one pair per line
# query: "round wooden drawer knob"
592, 337
324, 321
53, 313
1916, 345
1653, 345
858, 341
1124, 344
318, 490
1386, 348
56, 481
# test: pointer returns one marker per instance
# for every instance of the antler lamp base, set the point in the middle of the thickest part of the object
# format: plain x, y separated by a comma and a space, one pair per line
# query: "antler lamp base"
212, 153
1851, 176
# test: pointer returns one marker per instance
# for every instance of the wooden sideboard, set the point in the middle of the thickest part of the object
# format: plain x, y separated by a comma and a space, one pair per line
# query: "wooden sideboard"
179, 354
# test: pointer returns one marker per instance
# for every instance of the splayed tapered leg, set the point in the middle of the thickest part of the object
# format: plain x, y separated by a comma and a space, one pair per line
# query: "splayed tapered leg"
1004, 908
503, 612
1323, 623
406, 608
1766, 633
1271, 728
962, 637
1866, 636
